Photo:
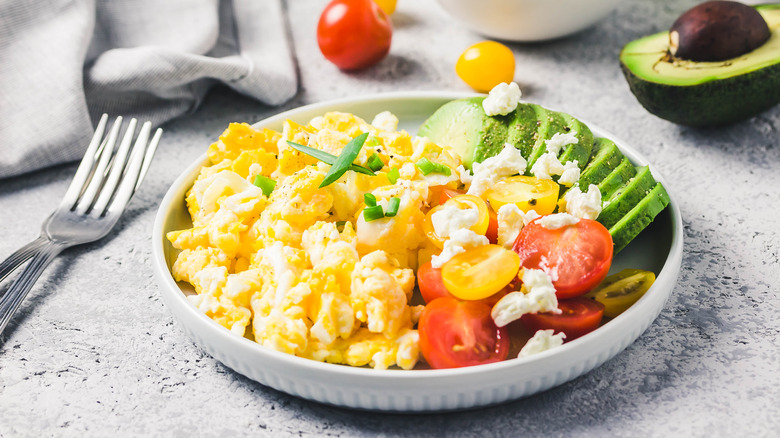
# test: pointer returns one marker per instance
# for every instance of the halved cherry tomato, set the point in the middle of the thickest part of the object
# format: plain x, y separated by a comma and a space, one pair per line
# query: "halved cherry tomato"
463, 202
527, 192
456, 333
354, 34
580, 254
485, 65
492, 230
579, 316
430, 283
620, 291
480, 272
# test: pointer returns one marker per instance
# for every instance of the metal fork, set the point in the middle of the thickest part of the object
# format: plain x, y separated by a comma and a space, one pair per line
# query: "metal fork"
101, 189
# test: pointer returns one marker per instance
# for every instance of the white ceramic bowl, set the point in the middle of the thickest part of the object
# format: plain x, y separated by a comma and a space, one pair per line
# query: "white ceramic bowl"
528, 20
658, 248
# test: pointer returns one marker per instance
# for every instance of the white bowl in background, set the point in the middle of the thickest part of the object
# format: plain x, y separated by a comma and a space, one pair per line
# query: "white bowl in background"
528, 20
658, 248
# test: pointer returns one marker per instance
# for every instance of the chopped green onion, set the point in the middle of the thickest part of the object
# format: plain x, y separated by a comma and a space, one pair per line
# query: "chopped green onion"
369, 199
392, 207
266, 184
372, 142
426, 166
373, 213
326, 157
344, 161
393, 175
375, 163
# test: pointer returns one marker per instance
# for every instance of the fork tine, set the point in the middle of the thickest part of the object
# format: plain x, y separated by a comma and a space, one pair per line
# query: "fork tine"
127, 186
98, 176
148, 158
85, 167
116, 170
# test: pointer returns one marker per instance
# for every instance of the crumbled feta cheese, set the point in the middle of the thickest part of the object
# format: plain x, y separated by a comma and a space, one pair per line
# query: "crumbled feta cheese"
529, 216
464, 175
458, 242
510, 221
386, 121
542, 340
570, 174
508, 162
502, 99
450, 218
583, 205
537, 295
546, 166
559, 140
558, 220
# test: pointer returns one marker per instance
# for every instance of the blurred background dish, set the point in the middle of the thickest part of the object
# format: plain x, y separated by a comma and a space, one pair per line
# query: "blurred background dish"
528, 20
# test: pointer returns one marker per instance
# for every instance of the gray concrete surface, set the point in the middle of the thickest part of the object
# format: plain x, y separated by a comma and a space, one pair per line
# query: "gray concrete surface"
94, 352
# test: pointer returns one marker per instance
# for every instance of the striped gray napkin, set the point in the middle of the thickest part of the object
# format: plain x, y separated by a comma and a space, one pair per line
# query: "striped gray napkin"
63, 63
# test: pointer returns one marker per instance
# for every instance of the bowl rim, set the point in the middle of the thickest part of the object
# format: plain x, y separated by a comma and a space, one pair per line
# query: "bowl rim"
175, 298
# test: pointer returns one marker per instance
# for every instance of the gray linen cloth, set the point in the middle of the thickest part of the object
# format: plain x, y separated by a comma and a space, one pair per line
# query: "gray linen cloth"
63, 63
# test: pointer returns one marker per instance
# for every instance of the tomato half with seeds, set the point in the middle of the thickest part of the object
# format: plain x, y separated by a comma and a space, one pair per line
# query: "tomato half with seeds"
578, 254
492, 229
579, 316
456, 334
620, 291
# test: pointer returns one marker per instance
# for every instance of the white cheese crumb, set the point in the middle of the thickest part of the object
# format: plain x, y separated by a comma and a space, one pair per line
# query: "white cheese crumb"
386, 121
539, 296
542, 340
464, 175
546, 166
451, 218
510, 221
529, 216
508, 162
559, 140
459, 242
570, 174
583, 205
558, 220
502, 99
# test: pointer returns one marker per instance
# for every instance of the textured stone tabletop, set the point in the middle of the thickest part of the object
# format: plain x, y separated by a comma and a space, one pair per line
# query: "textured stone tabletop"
95, 352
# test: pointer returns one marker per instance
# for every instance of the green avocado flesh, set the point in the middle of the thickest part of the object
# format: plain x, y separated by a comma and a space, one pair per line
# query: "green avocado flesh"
463, 126
705, 93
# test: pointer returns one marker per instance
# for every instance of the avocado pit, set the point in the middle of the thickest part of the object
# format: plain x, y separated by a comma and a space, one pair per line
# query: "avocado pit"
716, 31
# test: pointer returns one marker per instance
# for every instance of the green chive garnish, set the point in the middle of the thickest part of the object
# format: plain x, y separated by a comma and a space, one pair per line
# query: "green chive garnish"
375, 163
373, 213
266, 184
425, 166
372, 142
393, 175
441, 168
344, 161
327, 158
369, 199
392, 207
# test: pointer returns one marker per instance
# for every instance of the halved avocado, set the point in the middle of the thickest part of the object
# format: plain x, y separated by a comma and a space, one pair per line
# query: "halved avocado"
705, 93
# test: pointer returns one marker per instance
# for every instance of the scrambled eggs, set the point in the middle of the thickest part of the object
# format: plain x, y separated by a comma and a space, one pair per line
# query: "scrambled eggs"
301, 270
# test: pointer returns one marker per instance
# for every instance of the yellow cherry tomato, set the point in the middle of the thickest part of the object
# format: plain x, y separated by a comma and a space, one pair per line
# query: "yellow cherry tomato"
480, 272
387, 5
527, 192
463, 202
485, 65
619, 291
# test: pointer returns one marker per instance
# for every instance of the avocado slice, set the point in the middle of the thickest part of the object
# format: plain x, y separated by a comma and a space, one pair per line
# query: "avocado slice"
521, 131
579, 151
604, 158
626, 197
549, 124
705, 93
639, 217
619, 175
463, 126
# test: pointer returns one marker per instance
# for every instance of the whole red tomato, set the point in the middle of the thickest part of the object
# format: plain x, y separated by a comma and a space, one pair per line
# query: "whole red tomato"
354, 34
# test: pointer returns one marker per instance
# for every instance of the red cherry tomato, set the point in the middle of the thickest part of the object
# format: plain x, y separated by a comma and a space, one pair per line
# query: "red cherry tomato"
430, 283
579, 316
581, 254
354, 34
492, 231
456, 333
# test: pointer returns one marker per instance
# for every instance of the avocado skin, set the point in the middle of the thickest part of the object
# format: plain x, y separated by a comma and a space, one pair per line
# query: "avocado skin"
713, 103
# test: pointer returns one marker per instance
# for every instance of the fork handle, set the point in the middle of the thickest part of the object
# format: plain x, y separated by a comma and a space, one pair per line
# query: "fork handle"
20, 256
10, 302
